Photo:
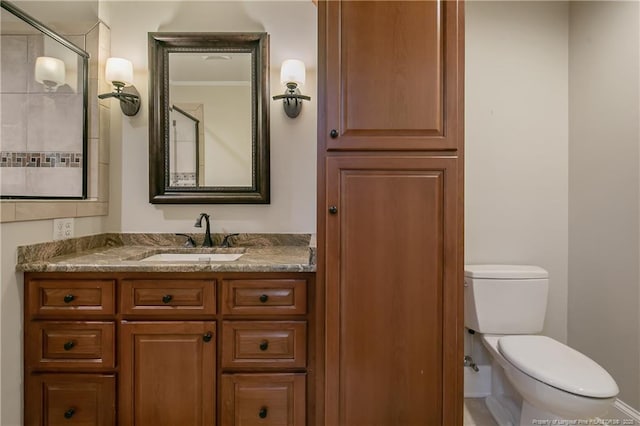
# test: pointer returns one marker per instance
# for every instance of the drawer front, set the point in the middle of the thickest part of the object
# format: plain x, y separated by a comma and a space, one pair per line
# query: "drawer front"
70, 399
264, 297
169, 298
264, 399
264, 344
71, 298
71, 345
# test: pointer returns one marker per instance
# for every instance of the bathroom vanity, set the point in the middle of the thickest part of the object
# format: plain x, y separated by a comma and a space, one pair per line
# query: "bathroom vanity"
111, 339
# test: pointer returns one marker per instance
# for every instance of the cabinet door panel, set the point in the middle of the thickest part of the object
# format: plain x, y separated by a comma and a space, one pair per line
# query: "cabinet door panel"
393, 74
391, 289
167, 373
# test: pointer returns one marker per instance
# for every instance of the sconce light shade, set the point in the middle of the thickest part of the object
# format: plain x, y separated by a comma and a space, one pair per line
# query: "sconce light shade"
50, 72
292, 74
121, 70
120, 73
292, 71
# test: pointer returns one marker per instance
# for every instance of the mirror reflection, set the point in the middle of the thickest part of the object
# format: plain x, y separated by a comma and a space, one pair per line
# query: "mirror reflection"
213, 89
209, 139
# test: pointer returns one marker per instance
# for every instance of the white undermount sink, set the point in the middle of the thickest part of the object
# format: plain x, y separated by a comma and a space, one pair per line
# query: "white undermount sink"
192, 257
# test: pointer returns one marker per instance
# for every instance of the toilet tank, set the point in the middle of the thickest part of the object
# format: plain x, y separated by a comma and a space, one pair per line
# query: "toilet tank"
505, 299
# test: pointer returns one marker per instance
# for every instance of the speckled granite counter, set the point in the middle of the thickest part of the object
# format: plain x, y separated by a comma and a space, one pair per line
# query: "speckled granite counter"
123, 252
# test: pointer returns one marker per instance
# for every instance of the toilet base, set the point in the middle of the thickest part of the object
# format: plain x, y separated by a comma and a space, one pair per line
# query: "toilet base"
533, 416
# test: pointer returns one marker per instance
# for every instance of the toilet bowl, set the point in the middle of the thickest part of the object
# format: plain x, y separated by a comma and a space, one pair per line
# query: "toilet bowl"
536, 377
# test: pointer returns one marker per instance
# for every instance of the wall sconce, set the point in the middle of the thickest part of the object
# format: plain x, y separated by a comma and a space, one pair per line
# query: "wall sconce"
50, 72
292, 74
120, 73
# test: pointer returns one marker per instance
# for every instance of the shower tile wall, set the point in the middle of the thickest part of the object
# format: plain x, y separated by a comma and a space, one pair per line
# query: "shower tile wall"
39, 154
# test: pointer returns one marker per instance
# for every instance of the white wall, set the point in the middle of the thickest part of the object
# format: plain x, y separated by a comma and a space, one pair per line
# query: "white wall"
603, 311
293, 142
516, 141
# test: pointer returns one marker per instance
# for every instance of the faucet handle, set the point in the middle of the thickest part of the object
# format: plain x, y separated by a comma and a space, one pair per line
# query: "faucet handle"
190, 241
226, 241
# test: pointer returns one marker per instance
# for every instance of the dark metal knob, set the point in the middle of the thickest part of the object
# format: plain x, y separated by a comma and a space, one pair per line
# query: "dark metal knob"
264, 345
333, 133
167, 298
68, 345
333, 209
264, 298
262, 413
69, 413
207, 336
68, 298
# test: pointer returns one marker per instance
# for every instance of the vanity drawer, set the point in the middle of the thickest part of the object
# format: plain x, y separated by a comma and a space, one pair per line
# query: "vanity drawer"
264, 297
70, 399
71, 298
264, 399
168, 298
264, 344
70, 345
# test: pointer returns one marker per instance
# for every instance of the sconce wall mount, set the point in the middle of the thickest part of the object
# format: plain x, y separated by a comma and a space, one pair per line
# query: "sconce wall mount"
292, 74
120, 73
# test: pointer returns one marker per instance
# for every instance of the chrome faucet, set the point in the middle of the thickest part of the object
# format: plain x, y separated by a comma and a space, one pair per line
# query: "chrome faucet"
208, 242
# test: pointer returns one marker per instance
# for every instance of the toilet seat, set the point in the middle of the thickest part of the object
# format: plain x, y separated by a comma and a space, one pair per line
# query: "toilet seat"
557, 365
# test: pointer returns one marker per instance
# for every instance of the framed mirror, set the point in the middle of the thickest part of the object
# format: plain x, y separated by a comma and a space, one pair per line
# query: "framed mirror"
43, 150
209, 118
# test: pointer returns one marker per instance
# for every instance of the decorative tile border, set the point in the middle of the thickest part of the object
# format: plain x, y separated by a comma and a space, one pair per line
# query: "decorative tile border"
183, 179
40, 159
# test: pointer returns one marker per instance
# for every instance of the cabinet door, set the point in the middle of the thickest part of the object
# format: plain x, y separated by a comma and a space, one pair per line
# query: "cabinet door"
167, 373
392, 74
392, 299
70, 399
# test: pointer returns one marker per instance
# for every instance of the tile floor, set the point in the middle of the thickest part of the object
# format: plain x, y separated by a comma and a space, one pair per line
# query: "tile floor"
476, 413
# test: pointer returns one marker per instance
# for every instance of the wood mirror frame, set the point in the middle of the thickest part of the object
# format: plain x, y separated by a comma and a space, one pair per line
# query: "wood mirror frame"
161, 45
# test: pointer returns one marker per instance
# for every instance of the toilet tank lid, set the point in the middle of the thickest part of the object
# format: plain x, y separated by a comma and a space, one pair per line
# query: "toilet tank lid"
558, 365
505, 271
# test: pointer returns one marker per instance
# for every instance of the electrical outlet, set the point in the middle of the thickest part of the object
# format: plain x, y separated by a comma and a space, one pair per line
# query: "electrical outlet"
62, 228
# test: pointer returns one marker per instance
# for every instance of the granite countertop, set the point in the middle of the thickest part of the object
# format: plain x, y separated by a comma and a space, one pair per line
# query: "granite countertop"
123, 252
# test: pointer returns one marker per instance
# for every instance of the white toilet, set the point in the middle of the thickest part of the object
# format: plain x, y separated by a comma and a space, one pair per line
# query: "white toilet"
533, 377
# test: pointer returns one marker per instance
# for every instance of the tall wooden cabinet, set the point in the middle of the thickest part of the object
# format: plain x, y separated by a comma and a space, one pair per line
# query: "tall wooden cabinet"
390, 254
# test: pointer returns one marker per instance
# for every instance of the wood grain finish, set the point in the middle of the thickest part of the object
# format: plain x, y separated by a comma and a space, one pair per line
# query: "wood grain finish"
167, 373
264, 344
168, 298
61, 345
264, 297
70, 399
263, 399
393, 74
385, 293
71, 298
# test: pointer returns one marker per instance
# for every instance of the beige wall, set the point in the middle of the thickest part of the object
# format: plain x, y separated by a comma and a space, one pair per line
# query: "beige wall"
603, 310
293, 142
516, 141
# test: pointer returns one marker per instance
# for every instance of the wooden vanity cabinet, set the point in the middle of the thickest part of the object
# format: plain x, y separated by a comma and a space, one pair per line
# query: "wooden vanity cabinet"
169, 348
390, 213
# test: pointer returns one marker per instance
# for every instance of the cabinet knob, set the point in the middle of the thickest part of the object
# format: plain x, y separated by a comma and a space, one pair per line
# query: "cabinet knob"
167, 298
333, 209
264, 298
68, 298
207, 336
333, 133
262, 413
68, 345
264, 345
69, 413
